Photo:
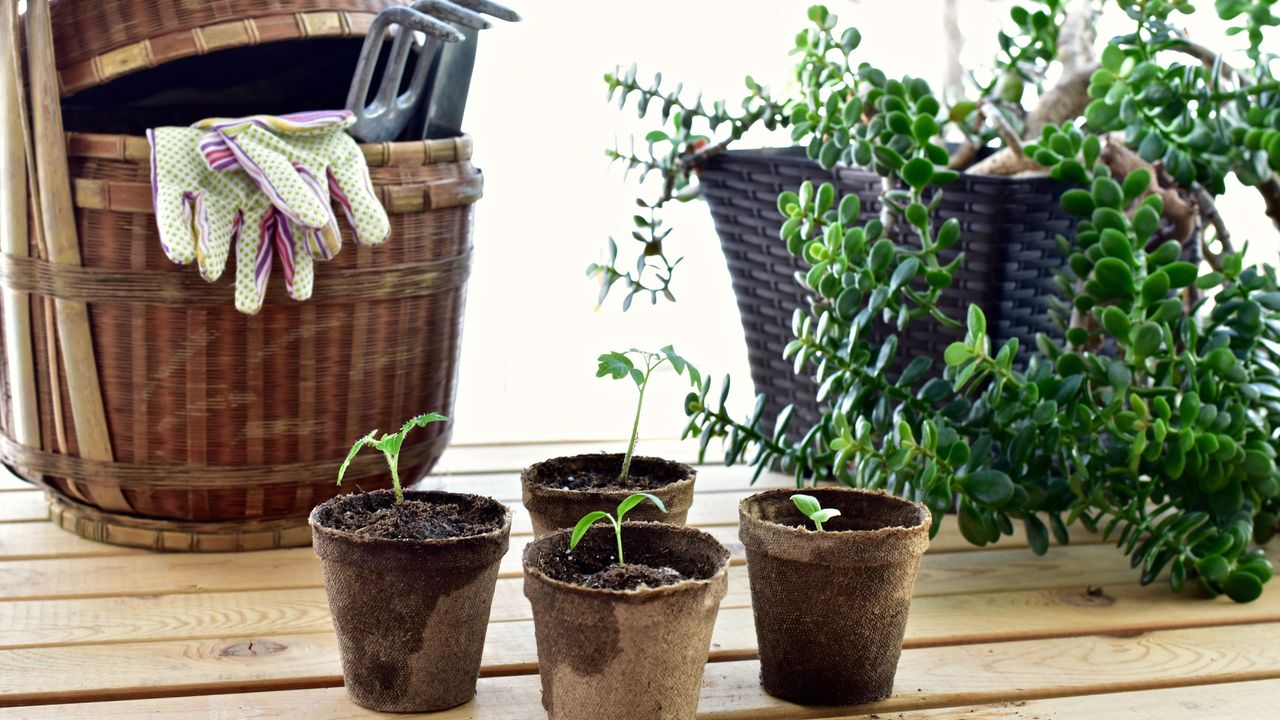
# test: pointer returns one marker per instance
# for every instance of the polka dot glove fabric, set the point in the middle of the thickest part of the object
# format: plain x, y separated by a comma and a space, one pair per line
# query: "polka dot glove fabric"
302, 162
201, 212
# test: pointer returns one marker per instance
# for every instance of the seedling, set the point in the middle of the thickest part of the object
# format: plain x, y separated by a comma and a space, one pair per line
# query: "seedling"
813, 509
389, 444
618, 365
623, 507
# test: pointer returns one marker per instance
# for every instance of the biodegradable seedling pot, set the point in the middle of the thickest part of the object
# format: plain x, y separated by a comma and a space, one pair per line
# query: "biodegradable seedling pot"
831, 607
559, 491
411, 614
624, 654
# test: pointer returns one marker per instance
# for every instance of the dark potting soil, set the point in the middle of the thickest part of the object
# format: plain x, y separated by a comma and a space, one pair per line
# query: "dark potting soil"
595, 567
414, 520
601, 473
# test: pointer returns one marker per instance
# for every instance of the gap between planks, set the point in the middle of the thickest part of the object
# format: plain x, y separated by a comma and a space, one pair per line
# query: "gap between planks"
927, 678
998, 568
1125, 609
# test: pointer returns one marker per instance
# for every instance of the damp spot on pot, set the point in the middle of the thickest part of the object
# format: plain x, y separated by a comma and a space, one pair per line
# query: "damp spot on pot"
252, 648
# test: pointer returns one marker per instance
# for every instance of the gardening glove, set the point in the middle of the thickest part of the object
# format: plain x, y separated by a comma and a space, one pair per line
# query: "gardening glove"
298, 160
200, 212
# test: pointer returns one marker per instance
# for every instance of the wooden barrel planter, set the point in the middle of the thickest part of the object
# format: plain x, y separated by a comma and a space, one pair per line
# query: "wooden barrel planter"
225, 430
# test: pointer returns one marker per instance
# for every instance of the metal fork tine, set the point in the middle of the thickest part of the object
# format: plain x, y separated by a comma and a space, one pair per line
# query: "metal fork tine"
426, 58
383, 118
393, 73
452, 12
488, 7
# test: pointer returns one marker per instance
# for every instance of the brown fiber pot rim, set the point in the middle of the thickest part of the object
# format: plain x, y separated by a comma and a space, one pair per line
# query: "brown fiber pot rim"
758, 517
638, 595
686, 477
321, 513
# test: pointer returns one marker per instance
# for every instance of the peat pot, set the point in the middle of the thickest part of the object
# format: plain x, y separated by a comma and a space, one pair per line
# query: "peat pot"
831, 607
411, 614
624, 654
559, 491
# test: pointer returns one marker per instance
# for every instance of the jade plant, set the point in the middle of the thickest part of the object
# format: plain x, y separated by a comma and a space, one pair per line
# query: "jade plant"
1149, 418
813, 509
389, 445
619, 365
1156, 97
615, 519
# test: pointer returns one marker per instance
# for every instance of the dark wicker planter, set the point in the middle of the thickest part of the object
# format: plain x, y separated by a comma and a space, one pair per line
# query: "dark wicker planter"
1007, 234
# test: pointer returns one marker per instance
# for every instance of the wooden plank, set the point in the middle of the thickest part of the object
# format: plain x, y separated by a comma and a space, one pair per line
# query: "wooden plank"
42, 539
934, 620
151, 573
715, 512
927, 677
23, 506
1197, 702
1228, 700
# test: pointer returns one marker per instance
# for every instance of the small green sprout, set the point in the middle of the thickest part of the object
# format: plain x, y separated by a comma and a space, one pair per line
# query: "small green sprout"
618, 366
389, 445
623, 507
813, 509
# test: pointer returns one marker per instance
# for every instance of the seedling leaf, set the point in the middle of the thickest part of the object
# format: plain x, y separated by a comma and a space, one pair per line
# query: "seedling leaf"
367, 440
583, 525
823, 515
626, 505
807, 504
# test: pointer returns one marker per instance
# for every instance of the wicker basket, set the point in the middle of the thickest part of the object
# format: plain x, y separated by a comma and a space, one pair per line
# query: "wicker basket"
215, 416
1007, 235
207, 429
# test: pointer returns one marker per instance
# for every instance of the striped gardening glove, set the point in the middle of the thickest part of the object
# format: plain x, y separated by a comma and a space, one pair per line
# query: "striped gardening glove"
300, 161
200, 212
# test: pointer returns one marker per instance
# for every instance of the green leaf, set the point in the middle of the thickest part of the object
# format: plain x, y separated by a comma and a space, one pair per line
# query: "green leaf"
989, 487
850, 208
1116, 321
957, 353
421, 421
807, 504
1078, 202
615, 364
824, 515
1181, 274
917, 172
1112, 57
1037, 534
923, 128
633, 500
1243, 587
1155, 287
1136, 182
1114, 274
948, 233
583, 525
977, 321
1107, 193
1146, 339
366, 441
1213, 567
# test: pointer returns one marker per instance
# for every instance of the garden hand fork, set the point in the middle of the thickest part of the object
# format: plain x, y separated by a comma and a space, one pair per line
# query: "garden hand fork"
385, 116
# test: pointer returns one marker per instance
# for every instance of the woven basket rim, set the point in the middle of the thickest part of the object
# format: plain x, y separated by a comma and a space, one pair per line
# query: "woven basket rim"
789, 153
182, 41
122, 146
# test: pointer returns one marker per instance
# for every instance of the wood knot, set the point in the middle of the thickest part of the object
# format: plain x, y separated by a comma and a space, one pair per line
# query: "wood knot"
252, 648
1092, 597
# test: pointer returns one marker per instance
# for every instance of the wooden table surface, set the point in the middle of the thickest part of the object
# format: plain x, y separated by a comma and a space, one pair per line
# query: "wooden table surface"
96, 631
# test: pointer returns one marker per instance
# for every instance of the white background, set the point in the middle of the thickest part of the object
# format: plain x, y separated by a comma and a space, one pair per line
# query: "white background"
538, 114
